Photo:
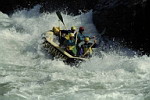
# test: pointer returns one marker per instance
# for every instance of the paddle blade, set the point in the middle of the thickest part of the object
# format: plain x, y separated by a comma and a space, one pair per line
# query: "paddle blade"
60, 16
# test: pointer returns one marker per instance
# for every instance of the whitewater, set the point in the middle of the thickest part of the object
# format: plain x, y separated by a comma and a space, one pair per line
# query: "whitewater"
26, 73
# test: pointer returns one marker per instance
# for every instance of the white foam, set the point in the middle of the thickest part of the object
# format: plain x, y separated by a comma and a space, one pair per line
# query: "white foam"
111, 75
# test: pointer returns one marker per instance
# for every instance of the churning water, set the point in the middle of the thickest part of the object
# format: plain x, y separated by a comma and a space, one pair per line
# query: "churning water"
27, 74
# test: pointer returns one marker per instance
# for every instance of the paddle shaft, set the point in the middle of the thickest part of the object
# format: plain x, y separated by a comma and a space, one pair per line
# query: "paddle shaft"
88, 49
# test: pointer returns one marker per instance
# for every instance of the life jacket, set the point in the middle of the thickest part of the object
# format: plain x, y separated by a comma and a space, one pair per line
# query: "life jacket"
87, 48
67, 37
80, 37
73, 49
71, 45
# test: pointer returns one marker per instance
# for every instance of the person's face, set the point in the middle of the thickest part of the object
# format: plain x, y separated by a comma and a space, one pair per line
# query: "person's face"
81, 31
86, 41
71, 37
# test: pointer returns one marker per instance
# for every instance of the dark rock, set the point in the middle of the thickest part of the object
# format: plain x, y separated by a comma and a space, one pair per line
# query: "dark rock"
9, 6
70, 6
126, 20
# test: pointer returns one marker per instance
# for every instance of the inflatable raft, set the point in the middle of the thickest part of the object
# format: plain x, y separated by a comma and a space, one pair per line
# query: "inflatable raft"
51, 45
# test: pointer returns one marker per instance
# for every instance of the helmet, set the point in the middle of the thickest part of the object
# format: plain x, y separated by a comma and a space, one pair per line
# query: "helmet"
86, 39
71, 35
55, 30
73, 28
58, 28
81, 29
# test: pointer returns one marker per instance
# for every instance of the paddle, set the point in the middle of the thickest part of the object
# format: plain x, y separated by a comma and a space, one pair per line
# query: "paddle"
88, 49
60, 18
76, 38
103, 32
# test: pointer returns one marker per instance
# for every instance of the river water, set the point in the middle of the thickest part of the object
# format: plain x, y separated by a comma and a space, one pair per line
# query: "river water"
26, 73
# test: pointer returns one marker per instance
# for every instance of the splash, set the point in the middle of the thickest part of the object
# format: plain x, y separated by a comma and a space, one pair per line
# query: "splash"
27, 74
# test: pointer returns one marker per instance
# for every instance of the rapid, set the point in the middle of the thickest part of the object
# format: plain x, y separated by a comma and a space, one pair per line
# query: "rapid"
26, 73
